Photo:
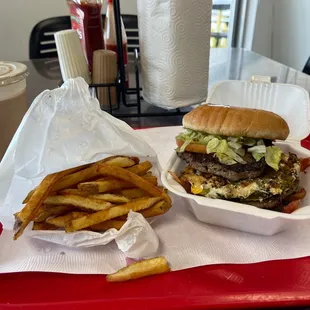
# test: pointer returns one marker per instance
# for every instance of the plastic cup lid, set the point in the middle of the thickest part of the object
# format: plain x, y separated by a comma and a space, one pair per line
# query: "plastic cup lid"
12, 72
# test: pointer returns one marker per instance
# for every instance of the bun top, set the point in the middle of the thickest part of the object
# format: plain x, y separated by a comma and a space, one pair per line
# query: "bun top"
236, 122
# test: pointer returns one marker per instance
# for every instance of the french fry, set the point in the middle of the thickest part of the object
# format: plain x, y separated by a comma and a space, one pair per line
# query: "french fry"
111, 160
29, 195
130, 177
76, 178
48, 211
111, 198
304, 164
185, 185
113, 212
78, 201
150, 178
140, 169
133, 193
104, 186
144, 268
292, 206
117, 224
43, 226
301, 194
60, 221
121, 161
73, 191
29, 212
70, 171
159, 208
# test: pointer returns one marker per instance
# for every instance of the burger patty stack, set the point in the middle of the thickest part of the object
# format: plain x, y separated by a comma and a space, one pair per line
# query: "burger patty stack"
231, 155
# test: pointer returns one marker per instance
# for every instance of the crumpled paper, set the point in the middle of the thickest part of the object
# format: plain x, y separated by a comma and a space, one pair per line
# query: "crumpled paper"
65, 128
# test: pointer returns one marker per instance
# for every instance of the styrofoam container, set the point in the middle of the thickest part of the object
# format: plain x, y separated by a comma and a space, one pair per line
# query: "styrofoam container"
289, 101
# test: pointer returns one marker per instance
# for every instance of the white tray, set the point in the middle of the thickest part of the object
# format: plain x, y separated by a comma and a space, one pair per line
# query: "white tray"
236, 215
289, 101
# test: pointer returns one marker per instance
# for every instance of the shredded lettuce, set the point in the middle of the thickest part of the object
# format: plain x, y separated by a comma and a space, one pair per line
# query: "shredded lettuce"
230, 150
212, 145
258, 156
273, 157
233, 155
225, 159
235, 145
257, 149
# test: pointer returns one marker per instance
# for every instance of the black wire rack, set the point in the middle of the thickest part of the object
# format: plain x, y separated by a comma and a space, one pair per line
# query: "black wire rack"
123, 108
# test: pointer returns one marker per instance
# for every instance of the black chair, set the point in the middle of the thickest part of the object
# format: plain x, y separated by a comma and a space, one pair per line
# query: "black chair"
306, 68
42, 42
132, 32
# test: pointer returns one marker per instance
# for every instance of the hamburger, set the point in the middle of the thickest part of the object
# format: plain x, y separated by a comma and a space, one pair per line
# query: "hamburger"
231, 155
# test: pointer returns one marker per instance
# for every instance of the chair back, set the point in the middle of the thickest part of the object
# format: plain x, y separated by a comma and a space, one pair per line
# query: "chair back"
131, 28
42, 41
306, 68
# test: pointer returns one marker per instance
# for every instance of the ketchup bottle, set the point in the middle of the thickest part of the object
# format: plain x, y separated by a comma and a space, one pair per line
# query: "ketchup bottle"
110, 37
87, 20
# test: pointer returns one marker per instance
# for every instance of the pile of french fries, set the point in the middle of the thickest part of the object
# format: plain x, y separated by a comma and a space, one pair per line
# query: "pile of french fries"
93, 197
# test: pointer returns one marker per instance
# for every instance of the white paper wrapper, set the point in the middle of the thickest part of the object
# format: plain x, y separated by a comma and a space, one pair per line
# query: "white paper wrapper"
183, 240
65, 128
175, 46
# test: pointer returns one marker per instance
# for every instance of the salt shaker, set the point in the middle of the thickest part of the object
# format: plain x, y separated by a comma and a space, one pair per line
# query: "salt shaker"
105, 71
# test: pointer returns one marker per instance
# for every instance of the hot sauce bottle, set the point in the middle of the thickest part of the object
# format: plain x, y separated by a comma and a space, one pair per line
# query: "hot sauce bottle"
110, 37
87, 20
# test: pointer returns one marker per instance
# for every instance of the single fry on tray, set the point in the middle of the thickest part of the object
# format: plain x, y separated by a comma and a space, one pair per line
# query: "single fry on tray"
144, 268
111, 213
78, 201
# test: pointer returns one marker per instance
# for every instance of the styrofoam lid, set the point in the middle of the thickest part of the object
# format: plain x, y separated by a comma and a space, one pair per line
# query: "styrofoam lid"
12, 72
289, 101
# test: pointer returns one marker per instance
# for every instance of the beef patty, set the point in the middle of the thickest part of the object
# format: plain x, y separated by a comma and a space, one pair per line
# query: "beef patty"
208, 163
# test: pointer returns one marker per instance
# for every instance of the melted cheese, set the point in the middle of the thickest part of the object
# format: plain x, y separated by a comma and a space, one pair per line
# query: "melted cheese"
232, 191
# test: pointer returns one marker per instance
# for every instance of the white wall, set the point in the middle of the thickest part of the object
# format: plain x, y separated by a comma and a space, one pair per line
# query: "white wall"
18, 17
282, 31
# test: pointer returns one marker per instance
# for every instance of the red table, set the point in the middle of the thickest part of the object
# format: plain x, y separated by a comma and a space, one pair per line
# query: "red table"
268, 284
